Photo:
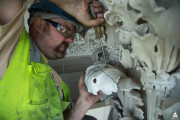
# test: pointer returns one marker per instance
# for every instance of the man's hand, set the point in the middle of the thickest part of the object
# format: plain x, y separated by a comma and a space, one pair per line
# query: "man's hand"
84, 15
80, 10
85, 101
84, 96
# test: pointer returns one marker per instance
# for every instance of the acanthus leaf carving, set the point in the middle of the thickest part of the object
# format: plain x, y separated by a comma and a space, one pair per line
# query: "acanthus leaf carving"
143, 35
127, 17
154, 53
164, 21
130, 98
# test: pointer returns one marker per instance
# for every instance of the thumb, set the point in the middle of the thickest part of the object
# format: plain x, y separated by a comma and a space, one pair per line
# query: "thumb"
94, 98
95, 22
81, 80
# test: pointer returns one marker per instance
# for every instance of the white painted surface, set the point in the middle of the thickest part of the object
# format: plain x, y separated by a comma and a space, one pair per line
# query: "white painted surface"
100, 111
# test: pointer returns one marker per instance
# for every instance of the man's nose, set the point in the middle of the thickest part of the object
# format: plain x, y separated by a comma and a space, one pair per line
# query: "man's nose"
69, 40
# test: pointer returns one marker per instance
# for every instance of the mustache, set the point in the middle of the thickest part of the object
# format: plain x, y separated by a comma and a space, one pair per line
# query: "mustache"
65, 44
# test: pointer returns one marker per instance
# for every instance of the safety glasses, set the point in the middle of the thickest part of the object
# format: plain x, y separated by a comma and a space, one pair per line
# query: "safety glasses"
62, 29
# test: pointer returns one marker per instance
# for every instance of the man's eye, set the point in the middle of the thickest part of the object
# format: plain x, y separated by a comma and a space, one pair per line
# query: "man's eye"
63, 29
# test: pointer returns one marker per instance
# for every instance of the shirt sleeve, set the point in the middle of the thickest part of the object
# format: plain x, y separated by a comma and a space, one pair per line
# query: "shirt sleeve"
9, 36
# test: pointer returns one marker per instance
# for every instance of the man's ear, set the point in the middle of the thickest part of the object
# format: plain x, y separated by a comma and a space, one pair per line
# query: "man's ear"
38, 24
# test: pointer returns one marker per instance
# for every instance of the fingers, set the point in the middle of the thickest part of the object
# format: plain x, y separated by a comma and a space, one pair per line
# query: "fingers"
98, 10
84, 14
96, 3
100, 93
94, 98
81, 80
96, 22
97, 6
100, 15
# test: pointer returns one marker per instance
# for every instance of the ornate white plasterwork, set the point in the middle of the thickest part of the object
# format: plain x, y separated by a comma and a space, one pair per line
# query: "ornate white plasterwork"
102, 77
141, 34
149, 43
163, 18
85, 45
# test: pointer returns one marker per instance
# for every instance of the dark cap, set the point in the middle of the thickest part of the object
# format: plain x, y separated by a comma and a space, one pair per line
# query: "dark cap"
47, 6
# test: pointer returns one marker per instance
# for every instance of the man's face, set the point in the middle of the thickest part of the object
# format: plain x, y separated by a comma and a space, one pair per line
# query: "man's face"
53, 43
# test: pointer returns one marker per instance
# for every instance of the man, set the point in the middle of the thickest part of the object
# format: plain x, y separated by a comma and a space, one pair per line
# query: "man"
28, 86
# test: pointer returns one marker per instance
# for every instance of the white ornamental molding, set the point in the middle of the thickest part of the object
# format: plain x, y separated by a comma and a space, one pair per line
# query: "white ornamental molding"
145, 34
142, 35
85, 45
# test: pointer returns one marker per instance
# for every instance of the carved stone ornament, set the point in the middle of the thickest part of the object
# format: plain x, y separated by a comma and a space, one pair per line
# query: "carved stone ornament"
102, 77
143, 40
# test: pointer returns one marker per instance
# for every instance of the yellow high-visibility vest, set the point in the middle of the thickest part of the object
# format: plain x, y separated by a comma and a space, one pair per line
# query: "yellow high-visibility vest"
27, 91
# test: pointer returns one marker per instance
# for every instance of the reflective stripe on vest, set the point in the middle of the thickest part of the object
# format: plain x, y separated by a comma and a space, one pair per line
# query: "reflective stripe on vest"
27, 91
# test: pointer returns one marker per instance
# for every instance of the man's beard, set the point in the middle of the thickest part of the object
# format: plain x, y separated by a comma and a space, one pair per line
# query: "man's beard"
65, 45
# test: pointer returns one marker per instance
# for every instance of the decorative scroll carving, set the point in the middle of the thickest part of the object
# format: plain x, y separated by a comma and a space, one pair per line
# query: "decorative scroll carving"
127, 17
148, 43
155, 53
85, 45
164, 19
142, 35
157, 87
130, 98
